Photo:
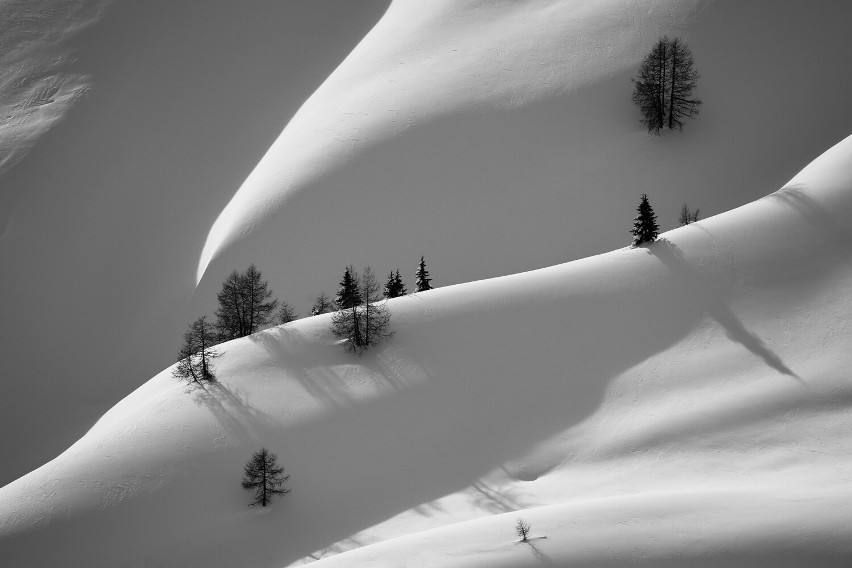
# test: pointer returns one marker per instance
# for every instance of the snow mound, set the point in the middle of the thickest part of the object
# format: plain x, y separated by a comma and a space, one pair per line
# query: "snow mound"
685, 402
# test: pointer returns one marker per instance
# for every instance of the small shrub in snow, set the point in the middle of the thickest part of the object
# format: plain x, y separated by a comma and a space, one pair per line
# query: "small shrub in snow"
522, 529
265, 477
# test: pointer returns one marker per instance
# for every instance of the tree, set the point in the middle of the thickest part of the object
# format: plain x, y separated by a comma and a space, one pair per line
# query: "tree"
664, 85
245, 304
286, 313
522, 529
349, 293
394, 286
346, 322
374, 312
265, 477
687, 216
363, 318
423, 281
196, 355
322, 305
645, 229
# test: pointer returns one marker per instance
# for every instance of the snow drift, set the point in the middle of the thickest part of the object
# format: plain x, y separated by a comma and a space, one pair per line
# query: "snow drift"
683, 402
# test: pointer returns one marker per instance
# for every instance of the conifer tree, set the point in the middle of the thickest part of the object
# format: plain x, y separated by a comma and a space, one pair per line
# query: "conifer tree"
645, 229
265, 477
349, 293
423, 281
394, 287
196, 354
346, 322
374, 312
322, 305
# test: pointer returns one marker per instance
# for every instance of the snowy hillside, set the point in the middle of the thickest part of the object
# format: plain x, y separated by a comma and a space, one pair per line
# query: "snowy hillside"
684, 403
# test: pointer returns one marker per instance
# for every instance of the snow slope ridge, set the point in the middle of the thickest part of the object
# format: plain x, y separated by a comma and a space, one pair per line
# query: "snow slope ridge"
684, 402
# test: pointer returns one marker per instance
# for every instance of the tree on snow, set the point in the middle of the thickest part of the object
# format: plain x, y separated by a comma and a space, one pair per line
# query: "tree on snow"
687, 216
322, 305
423, 281
365, 323
245, 304
286, 313
645, 229
394, 286
196, 355
265, 477
522, 529
664, 86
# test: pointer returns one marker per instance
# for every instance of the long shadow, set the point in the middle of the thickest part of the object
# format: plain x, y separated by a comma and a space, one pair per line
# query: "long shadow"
836, 237
475, 387
671, 257
231, 409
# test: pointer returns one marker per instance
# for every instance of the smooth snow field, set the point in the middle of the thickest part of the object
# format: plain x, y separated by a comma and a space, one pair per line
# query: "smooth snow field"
687, 403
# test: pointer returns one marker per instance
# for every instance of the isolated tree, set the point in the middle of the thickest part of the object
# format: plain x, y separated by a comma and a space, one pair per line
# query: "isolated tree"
664, 84
245, 304
687, 216
196, 354
322, 305
423, 281
264, 477
286, 313
645, 229
522, 529
394, 286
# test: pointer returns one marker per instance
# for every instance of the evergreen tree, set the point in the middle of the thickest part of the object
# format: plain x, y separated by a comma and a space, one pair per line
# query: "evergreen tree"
423, 281
346, 322
196, 355
645, 229
286, 313
394, 287
245, 304
664, 85
365, 323
265, 477
349, 293
322, 305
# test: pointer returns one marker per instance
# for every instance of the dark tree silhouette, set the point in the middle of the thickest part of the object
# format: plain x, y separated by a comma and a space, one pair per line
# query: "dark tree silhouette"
664, 84
196, 355
286, 313
394, 286
322, 305
687, 216
522, 529
265, 477
645, 229
423, 281
245, 304
365, 323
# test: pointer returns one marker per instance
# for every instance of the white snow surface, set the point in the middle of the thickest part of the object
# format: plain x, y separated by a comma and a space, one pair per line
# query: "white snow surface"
684, 403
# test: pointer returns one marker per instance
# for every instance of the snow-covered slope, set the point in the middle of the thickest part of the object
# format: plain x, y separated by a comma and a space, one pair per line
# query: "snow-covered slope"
684, 403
